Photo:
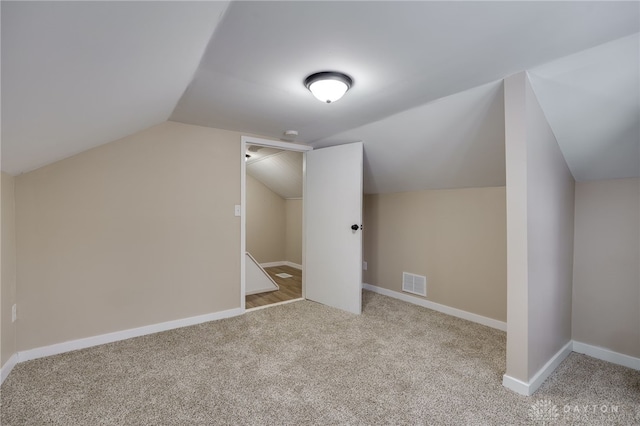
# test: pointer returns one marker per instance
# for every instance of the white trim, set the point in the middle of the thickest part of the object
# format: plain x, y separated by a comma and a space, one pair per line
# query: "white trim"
538, 379
244, 140
273, 264
7, 367
257, 308
288, 146
281, 263
515, 385
527, 389
243, 223
304, 224
606, 355
293, 265
88, 342
258, 291
489, 322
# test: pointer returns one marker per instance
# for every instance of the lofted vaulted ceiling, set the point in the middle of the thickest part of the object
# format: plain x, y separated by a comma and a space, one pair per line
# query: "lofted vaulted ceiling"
592, 102
427, 95
76, 75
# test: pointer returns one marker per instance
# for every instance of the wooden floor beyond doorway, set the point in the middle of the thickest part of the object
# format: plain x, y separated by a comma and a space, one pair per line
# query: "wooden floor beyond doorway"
290, 288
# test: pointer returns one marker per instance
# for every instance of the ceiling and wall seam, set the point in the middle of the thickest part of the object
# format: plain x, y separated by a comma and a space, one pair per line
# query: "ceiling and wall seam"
251, 65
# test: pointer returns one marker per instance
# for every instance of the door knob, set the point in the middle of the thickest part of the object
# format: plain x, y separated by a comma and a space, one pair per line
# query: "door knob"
355, 227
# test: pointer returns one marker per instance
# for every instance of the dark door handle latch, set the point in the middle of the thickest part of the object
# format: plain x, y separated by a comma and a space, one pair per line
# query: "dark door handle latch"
355, 227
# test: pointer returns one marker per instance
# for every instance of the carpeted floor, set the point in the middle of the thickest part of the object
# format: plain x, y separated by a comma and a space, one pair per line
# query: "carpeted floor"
304, 363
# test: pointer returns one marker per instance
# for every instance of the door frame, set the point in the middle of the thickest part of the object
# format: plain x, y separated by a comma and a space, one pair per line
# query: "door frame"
287, 146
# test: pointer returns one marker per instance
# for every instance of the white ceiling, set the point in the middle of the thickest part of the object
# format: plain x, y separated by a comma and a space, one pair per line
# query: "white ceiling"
457, 141
592, 102
76, 75
426, 99
280, 171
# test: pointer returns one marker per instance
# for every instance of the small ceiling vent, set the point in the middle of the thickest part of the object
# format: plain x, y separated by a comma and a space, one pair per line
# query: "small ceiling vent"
416, 284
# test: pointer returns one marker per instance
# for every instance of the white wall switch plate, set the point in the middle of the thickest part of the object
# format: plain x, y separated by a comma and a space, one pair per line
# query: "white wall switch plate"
14, 313
237, 210
364, 265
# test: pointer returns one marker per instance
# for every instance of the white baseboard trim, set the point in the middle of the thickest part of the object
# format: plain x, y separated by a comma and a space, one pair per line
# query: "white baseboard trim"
293, 265
551, 365
7, 367
573, 346
606, 355
528, 388
281, 263
513, 384
272, 264
489, 322
88, 342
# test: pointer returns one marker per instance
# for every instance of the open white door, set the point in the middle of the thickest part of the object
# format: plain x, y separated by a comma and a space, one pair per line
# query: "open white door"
332, 205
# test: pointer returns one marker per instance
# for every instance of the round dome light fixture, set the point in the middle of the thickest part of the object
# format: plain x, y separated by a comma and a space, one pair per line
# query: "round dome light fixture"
328, 86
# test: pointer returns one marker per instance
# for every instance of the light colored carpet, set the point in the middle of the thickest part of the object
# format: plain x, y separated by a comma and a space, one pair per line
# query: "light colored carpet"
304, 363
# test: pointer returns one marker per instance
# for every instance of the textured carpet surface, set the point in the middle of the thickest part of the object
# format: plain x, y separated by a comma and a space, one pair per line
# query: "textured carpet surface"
304, 363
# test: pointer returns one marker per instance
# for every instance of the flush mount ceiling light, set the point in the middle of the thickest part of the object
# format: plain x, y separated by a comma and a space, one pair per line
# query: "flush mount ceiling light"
328, 86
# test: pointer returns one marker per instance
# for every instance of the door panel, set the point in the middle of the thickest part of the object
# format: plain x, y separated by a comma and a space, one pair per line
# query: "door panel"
332, 205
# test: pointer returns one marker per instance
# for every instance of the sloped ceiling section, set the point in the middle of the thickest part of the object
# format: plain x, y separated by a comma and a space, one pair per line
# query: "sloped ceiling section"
79, 74
400, 55
592, 102
454, 142
426, 100
280, 171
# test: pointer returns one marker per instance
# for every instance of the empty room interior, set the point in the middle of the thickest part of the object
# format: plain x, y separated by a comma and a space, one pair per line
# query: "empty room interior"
237, 212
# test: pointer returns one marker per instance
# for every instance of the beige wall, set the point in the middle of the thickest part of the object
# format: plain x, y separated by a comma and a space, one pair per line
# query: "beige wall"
274, 225
8, 288
606, 274
265, 222
456, 238
540, 208
135, 232
293, 237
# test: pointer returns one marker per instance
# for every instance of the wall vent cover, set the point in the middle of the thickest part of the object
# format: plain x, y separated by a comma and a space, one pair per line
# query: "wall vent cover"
416, 284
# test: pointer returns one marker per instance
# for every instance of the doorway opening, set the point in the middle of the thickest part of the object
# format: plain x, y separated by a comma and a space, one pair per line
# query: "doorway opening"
272, 215
332, 218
